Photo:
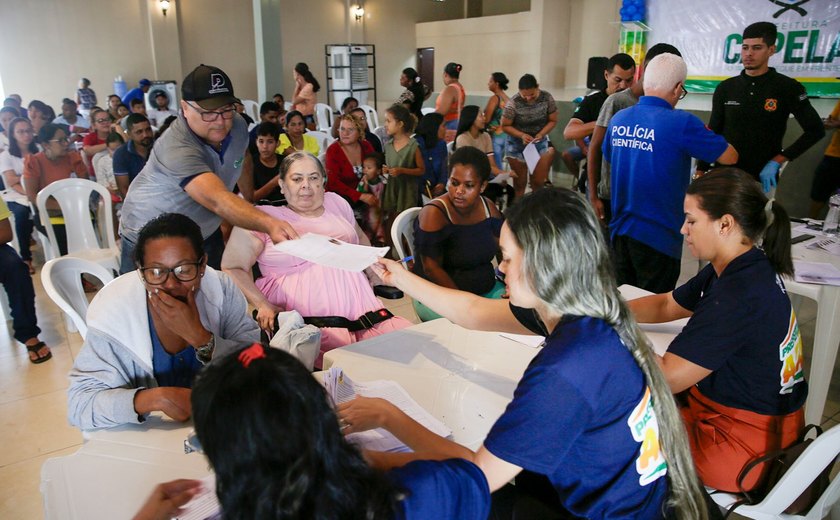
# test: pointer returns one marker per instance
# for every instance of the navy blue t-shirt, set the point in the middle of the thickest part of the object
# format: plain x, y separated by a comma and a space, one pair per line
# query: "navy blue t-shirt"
454, 488
582, 416
649, 147
744, 330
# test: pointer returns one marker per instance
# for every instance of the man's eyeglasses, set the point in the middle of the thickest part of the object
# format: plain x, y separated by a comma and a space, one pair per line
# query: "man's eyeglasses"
62, 140
208, 116
684, 92
158, 275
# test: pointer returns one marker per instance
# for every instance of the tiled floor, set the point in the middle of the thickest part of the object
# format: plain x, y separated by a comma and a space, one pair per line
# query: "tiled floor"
33, 402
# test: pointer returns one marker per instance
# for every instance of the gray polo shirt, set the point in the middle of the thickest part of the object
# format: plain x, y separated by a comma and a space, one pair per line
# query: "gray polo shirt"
614, 104
176, 158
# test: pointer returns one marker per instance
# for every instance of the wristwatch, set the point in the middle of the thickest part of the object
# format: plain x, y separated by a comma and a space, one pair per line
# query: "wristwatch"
204, 353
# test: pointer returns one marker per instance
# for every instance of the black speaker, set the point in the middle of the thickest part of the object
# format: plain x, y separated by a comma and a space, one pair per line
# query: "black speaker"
595, 73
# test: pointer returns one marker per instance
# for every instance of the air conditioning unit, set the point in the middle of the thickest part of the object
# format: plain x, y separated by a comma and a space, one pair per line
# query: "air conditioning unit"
350, 73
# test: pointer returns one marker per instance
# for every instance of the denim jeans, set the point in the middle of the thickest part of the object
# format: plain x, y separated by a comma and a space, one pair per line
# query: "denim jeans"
23, 228
499, 142
15, 277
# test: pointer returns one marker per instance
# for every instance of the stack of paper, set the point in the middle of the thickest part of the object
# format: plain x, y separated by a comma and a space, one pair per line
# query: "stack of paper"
816, 272
205, 505
341, 388
831, 245
331, 252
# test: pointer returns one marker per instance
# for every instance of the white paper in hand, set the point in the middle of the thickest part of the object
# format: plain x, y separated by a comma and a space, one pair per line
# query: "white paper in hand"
331, 252
532, 156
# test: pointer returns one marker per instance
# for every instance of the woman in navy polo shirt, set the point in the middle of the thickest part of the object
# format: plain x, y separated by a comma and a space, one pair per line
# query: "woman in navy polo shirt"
740, 355
591, 414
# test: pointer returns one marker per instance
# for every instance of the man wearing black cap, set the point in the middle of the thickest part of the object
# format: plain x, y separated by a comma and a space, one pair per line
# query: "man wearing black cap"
751, 110
193, 168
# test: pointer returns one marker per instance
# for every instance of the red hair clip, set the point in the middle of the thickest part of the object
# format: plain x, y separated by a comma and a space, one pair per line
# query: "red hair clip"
255, 351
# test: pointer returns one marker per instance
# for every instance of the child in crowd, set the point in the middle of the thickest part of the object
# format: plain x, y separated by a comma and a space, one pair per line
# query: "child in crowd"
430, 138
103, 165
370, 218
404, 166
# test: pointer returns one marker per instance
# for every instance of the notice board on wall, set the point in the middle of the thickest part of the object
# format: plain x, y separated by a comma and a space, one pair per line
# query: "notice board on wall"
708, 34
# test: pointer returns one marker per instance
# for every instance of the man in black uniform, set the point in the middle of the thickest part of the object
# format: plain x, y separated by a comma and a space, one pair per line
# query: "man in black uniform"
751, 110
620, 74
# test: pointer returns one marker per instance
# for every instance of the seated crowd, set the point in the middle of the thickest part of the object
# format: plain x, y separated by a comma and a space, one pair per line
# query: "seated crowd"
205, 196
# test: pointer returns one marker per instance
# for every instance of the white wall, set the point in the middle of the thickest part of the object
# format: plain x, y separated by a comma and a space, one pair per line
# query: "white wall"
553, 41
482, 46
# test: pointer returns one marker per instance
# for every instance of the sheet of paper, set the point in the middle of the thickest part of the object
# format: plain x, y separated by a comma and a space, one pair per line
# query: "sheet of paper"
331, 252
501, 178
831, 245
532, 156
812, 227
341, 388
816, 272
205, 505
525, 339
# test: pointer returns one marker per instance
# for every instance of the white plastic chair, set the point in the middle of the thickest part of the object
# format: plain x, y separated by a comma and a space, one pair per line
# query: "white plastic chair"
62, 279
427, 110
323, 138
372, 117
382, 134
803, 472
323, 117
252, 108
450, 147
287, 105
403, 228
73, 197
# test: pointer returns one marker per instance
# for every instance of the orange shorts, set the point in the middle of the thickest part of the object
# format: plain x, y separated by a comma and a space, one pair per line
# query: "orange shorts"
724, 439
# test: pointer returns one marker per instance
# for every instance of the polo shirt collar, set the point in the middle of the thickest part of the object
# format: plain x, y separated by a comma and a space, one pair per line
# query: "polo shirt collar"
654, 101
770, 72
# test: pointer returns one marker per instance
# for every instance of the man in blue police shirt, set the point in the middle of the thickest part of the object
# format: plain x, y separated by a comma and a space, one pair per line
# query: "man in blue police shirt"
649, 147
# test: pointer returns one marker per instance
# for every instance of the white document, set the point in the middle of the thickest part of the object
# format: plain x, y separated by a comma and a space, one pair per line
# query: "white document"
501, 178
341, 388
205, 505
525, 339
816, 272
831, 245
532, 156
331, 252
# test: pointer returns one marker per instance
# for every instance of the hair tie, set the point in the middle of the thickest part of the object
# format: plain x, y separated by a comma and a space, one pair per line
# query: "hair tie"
768, 214
417, 79
458, 68
255, 351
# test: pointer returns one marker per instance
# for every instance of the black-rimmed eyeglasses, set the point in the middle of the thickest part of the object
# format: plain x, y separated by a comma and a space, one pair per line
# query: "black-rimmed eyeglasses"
158, 275
208, 116
684, 93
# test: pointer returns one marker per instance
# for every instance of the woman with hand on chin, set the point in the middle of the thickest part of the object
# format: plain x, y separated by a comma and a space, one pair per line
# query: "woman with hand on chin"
151, 331
608, 449
740, 355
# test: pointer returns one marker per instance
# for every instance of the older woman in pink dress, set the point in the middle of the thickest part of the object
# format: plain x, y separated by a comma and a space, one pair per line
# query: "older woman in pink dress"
290, 283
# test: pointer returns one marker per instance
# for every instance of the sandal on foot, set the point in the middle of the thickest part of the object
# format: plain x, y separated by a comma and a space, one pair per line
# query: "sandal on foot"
35, 348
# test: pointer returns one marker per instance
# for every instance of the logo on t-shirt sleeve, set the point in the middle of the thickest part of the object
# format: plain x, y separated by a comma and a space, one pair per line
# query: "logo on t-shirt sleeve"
790, 354
650, 464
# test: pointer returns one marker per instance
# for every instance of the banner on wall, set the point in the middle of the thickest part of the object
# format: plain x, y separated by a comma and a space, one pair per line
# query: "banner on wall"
708, 34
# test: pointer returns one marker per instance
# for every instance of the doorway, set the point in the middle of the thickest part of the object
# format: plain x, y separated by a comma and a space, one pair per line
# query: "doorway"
426, 66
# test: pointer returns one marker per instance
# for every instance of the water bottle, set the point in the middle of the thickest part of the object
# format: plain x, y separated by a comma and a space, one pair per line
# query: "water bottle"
831, 225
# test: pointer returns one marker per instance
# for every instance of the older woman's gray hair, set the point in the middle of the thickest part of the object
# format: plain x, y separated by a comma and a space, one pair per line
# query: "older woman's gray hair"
294, 157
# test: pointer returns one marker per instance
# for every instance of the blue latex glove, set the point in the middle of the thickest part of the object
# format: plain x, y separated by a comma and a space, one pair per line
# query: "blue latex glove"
768, 175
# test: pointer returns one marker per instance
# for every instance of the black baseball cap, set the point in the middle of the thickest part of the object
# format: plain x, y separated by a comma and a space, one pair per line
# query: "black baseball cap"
208, 86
